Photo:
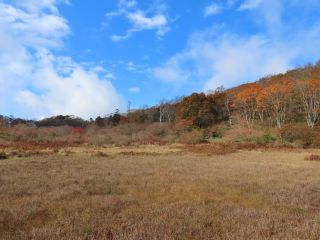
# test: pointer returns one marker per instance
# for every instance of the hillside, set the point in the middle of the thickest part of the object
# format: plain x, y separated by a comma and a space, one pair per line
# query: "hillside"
282, 108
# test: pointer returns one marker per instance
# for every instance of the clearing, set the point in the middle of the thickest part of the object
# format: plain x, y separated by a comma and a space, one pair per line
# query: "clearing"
159, 192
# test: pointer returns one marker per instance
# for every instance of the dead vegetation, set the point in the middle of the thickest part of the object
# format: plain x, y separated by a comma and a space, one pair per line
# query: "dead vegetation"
101, 154
312, 157
3, 156
210, 149
160, 192
132, 153
229, 148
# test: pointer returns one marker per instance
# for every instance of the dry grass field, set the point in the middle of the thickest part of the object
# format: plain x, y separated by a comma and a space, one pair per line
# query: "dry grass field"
159, 192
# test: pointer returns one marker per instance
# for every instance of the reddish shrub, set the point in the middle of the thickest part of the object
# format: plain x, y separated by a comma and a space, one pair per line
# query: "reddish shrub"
301, 134
186, 123
298, 133
77, 130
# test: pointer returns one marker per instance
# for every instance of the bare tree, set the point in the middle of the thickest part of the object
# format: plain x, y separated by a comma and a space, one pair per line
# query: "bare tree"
161, 110
166, 112
310, 96
227, 104
275, 100
246, 101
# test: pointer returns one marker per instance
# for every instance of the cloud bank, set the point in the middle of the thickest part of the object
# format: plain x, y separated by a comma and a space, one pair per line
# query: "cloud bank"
35, 82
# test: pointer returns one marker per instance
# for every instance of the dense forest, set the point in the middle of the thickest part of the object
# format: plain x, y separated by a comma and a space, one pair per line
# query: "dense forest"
288, 104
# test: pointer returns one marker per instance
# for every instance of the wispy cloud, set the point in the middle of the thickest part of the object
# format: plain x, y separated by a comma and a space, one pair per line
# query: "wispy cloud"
217, 56
123, 7
134, 90
213, 9
250, 4
172, 71
152, 19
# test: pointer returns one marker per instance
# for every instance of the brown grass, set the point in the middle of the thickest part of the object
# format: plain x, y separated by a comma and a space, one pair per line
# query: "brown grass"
229, 148
124, 193
210, 149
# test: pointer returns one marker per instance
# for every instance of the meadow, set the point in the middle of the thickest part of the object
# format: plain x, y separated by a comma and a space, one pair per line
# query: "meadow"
159, 192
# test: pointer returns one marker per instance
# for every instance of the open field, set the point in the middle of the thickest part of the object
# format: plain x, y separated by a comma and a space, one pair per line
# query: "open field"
159, 192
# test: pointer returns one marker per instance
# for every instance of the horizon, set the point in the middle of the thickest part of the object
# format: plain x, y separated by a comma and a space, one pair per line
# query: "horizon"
62, 57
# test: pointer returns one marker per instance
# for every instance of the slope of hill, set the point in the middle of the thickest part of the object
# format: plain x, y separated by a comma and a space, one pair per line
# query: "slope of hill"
283, 108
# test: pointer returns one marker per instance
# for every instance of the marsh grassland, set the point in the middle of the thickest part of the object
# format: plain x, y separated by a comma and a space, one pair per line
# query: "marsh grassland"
159, 192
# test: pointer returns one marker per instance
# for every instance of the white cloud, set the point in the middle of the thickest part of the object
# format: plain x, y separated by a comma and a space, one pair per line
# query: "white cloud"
250, 4
123, 7
269, 11
33, 29
172, 71
212, 9
140, 21
34, 82
217, 57
134, 67
32, 6
154, 19
81, 92
134, 90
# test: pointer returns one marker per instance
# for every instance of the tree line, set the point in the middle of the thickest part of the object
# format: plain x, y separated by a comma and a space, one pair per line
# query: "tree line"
273, 100
280, 99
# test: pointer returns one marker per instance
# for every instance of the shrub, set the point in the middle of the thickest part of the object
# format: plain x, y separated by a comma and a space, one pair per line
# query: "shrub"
312, 157
217, 131
299, 133
267, 139
100, 139
193, 137
159, 130
3, 156
216, 134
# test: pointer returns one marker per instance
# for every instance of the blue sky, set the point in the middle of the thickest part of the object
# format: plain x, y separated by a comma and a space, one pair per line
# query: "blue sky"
88, 58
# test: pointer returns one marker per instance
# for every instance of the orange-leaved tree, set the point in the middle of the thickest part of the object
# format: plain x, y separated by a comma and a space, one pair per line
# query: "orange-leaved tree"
275, 97
309, 91
246, 101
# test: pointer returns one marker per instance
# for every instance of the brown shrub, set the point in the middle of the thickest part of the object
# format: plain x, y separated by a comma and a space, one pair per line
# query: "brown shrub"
297, 133
101, 154
211, 149
132, 153
100, 139
3, 156
193, 137
128, 134
312, 157
33, 134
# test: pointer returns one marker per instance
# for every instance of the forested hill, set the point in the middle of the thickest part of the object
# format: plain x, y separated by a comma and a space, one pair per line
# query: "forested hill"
280, 99
293, 97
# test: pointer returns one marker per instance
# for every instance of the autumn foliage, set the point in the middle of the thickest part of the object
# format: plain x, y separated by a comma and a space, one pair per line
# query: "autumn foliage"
285, 107
309, 93
246, 101
274, 99
201, 110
